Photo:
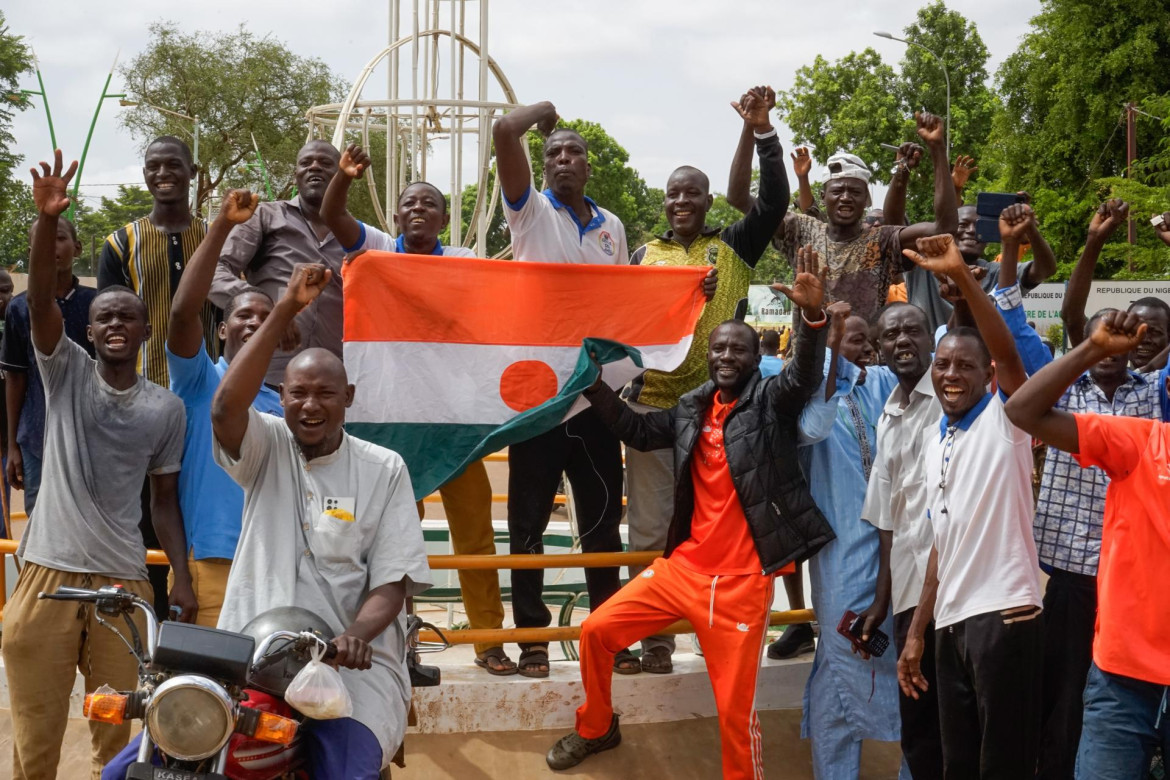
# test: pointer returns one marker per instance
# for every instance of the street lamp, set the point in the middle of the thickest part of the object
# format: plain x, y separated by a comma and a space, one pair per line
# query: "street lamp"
195, 135
946, 76
18, 97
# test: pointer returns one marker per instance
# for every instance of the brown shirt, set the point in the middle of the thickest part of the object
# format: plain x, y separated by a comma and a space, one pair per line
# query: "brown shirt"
263, 251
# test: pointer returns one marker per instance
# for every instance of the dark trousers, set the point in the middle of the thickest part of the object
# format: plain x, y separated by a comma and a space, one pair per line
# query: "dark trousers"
585, 450
1126, 720
156, 574
989, 675
1070, 613
921, 740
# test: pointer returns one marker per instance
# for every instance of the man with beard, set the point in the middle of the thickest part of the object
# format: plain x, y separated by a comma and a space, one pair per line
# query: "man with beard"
860, 261
278, 237
742, 513
732, 252
846, 700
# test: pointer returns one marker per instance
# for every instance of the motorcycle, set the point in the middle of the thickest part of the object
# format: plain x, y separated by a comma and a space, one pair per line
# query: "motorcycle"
211, 701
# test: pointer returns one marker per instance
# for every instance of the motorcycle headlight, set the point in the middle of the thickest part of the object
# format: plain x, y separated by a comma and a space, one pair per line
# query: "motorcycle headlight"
190, 717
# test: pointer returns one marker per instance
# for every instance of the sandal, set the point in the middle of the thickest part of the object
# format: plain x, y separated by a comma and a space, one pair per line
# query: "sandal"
624, 662
531, 659
496, 662
657, 660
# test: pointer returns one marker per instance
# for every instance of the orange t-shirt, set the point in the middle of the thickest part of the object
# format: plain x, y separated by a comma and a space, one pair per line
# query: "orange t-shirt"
721, 540
1134, 571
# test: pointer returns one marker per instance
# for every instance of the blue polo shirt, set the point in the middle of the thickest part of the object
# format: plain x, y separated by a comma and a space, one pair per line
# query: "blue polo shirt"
212, 502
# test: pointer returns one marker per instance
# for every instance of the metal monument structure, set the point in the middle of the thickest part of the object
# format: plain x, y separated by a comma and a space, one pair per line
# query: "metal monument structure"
440, 84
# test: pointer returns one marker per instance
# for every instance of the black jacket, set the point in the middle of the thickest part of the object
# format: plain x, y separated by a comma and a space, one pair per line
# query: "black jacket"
760, 437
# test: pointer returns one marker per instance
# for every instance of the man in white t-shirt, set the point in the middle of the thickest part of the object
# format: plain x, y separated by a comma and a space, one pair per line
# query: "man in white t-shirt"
559, 225
467, 498
982, 581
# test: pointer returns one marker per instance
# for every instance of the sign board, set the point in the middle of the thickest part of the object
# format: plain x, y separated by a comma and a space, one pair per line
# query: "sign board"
765, 306
1119, 295
1042, 306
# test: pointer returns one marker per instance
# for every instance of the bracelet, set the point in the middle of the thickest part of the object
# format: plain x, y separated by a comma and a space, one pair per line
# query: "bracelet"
900, 167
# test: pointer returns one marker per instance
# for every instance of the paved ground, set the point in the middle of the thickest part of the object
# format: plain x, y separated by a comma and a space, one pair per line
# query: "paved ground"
686, 749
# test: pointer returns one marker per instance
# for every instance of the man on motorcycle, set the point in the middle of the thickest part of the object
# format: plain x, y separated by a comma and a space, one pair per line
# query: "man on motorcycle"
329, 525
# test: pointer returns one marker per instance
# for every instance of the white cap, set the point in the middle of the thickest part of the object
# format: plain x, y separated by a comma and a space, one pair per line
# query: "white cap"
846, 166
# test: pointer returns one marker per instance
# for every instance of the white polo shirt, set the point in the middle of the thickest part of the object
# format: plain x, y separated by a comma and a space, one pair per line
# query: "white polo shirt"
895, 499
979, 500
379, 240
544, 230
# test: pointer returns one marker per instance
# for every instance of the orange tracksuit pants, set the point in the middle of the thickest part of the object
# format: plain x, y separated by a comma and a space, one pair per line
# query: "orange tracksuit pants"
730, 616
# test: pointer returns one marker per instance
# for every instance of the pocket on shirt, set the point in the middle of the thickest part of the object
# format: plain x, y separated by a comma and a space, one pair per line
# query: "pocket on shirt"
337, 543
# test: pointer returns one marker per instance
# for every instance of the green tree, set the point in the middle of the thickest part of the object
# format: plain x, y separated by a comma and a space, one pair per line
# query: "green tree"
94, 224
239, 85
15, 60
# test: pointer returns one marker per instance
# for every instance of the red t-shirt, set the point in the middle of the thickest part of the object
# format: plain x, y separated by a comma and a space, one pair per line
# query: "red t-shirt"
1134, 572
721, 540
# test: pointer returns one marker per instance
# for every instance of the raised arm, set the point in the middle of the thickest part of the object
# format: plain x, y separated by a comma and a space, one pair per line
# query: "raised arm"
1043, 264
1032, 407
49, 188
1016, 223
749, 237
907, 159
802, 166
938, 254
802, 375
334, 211
946, 210
508, 135
245, 374
739, 178
961, 172
1106, 219
185, 331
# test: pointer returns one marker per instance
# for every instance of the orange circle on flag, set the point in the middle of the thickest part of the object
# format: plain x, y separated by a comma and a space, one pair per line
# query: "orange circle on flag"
527, 383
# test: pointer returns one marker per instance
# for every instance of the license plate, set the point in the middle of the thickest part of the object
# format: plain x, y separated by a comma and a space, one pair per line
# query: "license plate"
162, 773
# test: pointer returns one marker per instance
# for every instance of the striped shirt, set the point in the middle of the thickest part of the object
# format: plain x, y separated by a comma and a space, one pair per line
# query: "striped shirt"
150, 262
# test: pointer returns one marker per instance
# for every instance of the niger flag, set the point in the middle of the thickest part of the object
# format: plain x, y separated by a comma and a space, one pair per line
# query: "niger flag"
454, 358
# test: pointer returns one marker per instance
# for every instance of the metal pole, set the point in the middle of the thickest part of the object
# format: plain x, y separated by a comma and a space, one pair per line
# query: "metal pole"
88, 138
263, 168
946, 77
484, 131
198, 170
45, 97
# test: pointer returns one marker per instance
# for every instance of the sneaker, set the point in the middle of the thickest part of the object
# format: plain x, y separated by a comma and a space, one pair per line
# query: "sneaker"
797, 639
573, 748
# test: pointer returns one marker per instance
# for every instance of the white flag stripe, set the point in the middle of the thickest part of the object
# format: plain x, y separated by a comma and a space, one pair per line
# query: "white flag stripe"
447, 383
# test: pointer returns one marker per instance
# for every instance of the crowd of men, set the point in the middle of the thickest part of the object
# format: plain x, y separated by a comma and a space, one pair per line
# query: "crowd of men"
890, 450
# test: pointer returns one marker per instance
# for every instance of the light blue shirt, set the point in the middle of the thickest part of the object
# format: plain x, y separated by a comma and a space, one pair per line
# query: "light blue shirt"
770, 365
212, 502
844, 694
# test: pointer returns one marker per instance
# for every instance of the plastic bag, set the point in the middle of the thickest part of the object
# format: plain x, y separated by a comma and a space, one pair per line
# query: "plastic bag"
318, 692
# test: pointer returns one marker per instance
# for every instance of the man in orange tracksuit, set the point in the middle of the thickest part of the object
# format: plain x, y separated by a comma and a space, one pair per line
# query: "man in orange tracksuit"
742, 514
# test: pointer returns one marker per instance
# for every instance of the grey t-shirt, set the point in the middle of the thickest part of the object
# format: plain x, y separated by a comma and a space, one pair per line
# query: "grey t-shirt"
100, 443
922, 289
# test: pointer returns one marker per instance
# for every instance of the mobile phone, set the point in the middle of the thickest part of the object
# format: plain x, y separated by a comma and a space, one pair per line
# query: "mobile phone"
988, 206
1157, 220
850, 628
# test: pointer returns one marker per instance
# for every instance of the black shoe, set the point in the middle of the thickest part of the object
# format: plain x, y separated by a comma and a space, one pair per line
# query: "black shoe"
796, 640
573, 748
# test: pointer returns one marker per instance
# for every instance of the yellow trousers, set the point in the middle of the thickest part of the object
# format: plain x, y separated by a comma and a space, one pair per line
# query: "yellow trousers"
209, 578
45, 644
467, 500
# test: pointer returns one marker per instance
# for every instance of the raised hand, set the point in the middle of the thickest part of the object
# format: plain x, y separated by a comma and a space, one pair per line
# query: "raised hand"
238, 206
949, 291
354, 161
801, 162
1162, 230
754, 107
548, 119
931, 129
962, 170
308, 280
49, 186
808, 289
838, 311
910, 153
1109, 216
1016, 221
939, 255
1117, 332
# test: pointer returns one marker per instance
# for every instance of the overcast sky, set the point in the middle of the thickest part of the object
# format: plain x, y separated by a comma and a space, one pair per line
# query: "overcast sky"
657, 74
